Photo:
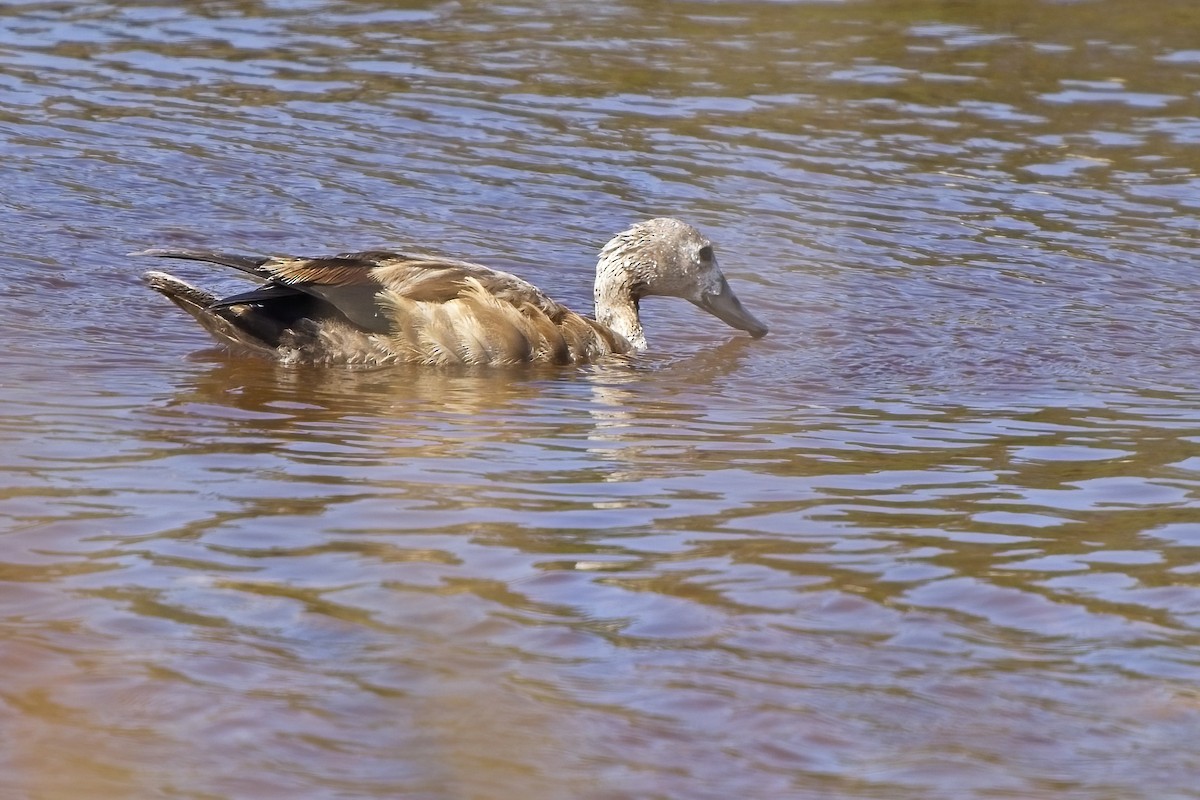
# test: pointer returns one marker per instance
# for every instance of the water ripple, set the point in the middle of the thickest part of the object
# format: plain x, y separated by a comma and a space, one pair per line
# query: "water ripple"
933, 537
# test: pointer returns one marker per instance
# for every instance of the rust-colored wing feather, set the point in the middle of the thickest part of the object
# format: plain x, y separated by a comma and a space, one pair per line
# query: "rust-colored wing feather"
347, 269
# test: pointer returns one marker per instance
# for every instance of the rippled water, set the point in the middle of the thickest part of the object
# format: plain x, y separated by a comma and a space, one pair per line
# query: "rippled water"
934, 537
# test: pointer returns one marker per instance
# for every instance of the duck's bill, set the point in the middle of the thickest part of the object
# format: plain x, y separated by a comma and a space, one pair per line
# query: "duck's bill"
724, 305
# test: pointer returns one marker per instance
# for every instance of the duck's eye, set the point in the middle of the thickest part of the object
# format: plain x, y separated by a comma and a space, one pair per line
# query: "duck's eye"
706, 253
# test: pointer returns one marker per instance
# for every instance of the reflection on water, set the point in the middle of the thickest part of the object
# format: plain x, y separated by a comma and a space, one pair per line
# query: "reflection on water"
933, 537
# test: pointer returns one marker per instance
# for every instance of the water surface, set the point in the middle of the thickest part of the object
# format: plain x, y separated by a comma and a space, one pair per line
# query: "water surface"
934, 537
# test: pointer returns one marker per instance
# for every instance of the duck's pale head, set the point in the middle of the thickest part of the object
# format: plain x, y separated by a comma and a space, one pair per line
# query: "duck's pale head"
667, 257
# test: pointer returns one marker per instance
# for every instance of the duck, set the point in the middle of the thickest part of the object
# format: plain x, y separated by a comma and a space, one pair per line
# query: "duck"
377, 307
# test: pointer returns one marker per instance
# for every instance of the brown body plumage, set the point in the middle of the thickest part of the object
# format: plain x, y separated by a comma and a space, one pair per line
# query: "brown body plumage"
377, 308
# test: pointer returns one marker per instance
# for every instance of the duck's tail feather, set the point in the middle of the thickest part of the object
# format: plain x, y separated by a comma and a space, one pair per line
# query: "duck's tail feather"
249, 264
228, 326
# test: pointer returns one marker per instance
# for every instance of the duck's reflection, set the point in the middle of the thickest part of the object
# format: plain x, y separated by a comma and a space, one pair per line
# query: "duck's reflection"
622, 388
639, 407
387, 395
491, 428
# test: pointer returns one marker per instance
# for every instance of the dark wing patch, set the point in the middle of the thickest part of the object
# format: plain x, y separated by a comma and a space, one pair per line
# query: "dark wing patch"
263, 294
347, 282
356, 302
250, 264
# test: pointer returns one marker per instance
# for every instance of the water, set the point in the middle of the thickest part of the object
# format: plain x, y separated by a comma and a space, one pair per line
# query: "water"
934, 537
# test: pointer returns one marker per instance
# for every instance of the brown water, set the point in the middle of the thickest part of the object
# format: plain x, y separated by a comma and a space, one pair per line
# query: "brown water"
935, 537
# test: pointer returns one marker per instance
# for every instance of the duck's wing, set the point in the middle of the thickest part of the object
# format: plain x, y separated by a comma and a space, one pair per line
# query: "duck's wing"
430, 309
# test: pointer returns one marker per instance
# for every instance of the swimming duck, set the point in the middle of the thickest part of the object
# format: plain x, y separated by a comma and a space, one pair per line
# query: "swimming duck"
377, 307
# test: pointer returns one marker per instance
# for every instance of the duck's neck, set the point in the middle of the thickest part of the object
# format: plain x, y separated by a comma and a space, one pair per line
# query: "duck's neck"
617, 305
